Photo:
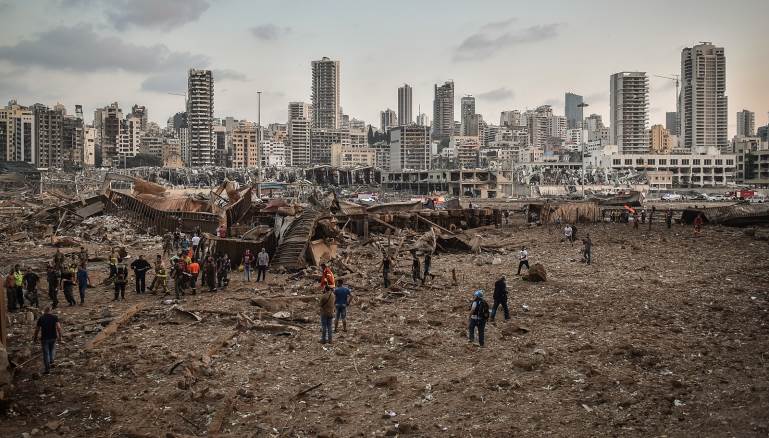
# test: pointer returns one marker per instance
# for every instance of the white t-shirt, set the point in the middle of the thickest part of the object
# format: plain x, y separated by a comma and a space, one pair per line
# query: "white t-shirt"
567, 231
523, 255
195, 240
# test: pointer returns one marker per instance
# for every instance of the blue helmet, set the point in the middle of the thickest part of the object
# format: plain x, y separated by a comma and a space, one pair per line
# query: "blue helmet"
478, 293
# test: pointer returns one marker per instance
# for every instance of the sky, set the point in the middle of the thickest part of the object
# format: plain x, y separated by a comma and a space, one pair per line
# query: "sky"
509, 54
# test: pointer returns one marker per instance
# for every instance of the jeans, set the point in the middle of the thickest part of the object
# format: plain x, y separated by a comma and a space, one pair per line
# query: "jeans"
325, 328
119, 290
49, 352
481, 324
502, 303
522, 264
588, 256
53, 294
19, 296
341, 312
81, 288
247, 272
141, 282
261, 273
68, 294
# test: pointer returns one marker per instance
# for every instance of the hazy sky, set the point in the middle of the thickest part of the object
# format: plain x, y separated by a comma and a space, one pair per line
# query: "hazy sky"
509, 54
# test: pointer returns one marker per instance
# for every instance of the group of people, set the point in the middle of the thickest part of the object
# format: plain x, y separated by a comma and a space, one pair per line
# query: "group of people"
261, 262
186, 270
570, 235
333, 304
62, 273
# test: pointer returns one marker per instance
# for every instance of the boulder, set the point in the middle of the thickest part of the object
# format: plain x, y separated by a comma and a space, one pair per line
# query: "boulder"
536, 273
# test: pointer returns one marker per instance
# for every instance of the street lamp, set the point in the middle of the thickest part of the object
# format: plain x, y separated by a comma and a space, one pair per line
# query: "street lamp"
582, 106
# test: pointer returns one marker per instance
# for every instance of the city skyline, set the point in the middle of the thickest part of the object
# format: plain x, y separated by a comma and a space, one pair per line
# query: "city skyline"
150, 54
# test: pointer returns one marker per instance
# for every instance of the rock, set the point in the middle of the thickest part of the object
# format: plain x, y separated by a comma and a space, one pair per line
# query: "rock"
496, 261
536, 273
53, 425
386, 382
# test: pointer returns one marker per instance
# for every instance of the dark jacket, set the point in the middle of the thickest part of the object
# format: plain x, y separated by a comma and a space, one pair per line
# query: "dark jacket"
500, 290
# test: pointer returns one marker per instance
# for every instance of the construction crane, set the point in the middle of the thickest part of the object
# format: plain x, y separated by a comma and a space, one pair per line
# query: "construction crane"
677, 79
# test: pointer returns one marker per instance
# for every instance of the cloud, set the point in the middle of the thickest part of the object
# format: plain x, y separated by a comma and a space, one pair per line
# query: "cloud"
599, 96
482, 44
497, 25
80, 49
269, 32
154, 14
497, 94
165, 83
228, 74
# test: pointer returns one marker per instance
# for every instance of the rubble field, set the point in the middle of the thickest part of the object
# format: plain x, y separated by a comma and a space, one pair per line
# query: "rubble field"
664, 334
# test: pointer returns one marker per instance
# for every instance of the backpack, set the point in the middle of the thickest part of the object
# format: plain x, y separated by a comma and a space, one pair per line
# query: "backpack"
482, 310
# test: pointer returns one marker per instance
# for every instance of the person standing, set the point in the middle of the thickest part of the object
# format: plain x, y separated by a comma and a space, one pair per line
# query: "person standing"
327, 308
209, 273
567, 233
698, 222
161, 279
500, 298
262, 262
195, 245
479, 313
53, 277
30, 283
10, 291
342, 299
416, 271
83, 281
140, 268
168, 245
669, 218
427, 265
326, 277
635, 220
386, 266
223, 267
18, 278
643, 216
67, 283
588, 248
180, 275
177, 240
523, 259
121, 279
194, 270
49, 329
248, 258
58, 260
82, 255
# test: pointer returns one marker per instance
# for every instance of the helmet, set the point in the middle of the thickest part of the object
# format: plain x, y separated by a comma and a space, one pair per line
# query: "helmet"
478, 293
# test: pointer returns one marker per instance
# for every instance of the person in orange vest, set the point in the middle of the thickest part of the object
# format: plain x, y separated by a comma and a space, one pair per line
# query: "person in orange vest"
326, 277
194, 269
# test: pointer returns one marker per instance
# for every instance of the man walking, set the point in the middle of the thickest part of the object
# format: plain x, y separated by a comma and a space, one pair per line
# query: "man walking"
209, 273
588, 249
567, 233
327, 308
194, 270
386, 266
416, 272
500, 298
248, 259
30, 283
18, 278
262, 261
67, 283
49, 329
479, 313
523, 259
82, 281
427, 266
223, 267
121, 279
140, 268
52, 275
195, 245
342, 299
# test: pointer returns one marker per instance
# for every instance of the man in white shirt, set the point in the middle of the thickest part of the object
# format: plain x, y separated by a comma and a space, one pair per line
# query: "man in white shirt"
195, 244
523, 259
567, 233
262, 261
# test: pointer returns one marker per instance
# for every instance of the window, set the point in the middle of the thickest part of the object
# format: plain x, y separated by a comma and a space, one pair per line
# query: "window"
674, 161
718, 162
616, 162
663, 162
628, 162
685, 162
651, 161
696, 161
639, 161
730, 162
708, 162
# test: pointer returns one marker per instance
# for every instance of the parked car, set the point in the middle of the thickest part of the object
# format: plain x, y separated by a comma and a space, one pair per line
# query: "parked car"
672, 197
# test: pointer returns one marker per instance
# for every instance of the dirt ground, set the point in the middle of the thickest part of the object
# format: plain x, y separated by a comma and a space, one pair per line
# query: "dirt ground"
664, 334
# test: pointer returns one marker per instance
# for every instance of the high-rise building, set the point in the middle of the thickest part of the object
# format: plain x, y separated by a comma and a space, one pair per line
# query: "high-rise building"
539, 127
48, 136
410, 148
321, 141
404, 105
573, 110
388, 119
299, 142
298, 110
443, 111
671, 122
326, 109
659, 140
89, 146
200, 118
423, 119
17, 134
629, 110
703, 102
746, 123
140, 111
245, 149
511, 119
73, 139
467, 110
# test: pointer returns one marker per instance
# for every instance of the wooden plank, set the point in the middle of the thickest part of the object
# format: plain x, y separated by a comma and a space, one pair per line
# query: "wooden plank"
114, 325
379, 221
434, 224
